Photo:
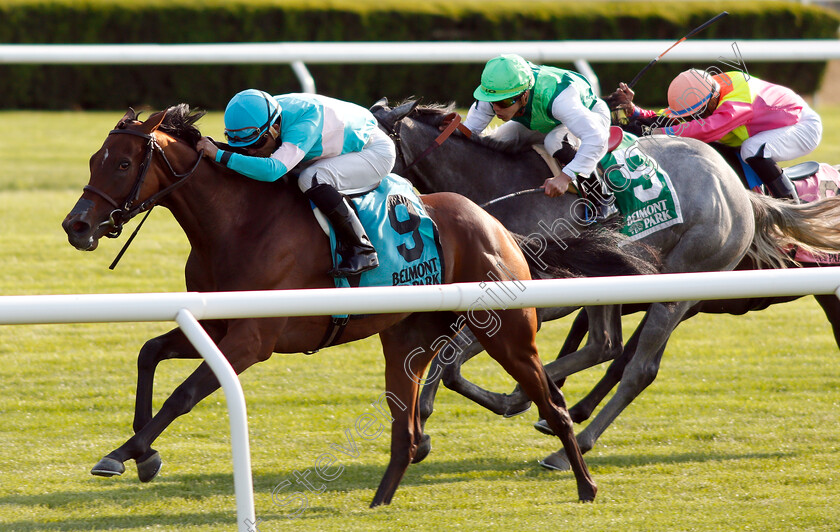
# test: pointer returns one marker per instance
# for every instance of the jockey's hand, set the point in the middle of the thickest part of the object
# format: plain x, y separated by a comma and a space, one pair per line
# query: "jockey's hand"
557, 185
622, 98
210, 149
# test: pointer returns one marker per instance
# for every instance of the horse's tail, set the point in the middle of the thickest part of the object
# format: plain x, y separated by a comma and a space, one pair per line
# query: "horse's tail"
779, 226
594, 252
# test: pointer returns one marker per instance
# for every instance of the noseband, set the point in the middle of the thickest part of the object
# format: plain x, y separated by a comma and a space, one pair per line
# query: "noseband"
121, 214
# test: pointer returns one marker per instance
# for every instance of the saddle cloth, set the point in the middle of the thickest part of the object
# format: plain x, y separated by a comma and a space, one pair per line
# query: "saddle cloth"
643, 191
405, 237
823, 183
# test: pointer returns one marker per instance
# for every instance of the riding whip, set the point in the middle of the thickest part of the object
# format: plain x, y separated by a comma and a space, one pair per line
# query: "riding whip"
699, 28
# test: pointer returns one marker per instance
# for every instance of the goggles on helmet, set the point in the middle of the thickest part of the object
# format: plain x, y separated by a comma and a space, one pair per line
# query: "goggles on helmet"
507, 102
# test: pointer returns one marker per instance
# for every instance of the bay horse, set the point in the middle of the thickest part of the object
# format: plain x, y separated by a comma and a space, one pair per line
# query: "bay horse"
249, 235
724, 227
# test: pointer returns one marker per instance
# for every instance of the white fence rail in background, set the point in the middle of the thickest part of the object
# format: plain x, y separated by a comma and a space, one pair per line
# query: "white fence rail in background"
723, 52
187, 308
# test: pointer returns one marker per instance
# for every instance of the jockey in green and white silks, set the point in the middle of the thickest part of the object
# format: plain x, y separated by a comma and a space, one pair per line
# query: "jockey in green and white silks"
541, 105
336, 145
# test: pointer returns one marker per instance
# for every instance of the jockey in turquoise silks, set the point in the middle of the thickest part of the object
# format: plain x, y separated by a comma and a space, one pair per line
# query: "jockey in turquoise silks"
540, 105
336, 145
765, 121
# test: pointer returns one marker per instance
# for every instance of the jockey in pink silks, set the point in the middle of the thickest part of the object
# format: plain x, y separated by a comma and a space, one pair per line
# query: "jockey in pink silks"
768, 122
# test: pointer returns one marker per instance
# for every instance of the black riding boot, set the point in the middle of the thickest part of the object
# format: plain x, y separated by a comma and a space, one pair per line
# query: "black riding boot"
357, 253
777, 183
592, 188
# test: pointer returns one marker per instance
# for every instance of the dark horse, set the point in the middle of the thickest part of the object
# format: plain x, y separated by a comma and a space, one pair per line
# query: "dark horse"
724, 226
248, 235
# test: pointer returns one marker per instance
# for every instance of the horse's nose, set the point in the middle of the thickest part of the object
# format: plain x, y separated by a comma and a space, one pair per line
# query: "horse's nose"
72, 225
78, 229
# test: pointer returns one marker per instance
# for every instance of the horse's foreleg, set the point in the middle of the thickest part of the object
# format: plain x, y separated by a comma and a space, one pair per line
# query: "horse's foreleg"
240, 350
584, 408
445, 367
166, 346
201, 383
577, 332
429, 392
498, 403
640, 372
604, 343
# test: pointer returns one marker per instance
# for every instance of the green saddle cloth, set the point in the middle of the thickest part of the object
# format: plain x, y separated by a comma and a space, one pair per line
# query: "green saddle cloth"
643, 191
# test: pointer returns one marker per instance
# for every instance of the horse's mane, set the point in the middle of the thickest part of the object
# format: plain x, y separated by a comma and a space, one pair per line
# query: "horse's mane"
431, 113
180, 123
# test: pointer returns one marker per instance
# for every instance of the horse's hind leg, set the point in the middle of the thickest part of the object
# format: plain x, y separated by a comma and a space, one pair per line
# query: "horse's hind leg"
408, 350
639, 373
831, 305
513, 345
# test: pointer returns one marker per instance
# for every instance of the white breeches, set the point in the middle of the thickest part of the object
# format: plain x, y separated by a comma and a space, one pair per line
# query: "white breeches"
789, 142
356, 172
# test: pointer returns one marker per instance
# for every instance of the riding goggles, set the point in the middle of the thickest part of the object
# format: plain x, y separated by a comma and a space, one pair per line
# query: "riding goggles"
507, 102
245, 135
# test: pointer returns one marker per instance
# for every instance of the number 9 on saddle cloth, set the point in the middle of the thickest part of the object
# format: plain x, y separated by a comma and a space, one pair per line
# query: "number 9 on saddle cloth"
404, 236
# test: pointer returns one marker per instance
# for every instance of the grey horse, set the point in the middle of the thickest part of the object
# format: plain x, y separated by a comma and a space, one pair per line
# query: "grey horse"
724, 226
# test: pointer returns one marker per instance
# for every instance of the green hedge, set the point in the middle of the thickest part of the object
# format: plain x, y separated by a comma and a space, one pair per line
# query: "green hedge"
183, 21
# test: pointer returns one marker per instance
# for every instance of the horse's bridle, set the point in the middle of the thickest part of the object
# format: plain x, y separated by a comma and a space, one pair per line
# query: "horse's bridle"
121, 214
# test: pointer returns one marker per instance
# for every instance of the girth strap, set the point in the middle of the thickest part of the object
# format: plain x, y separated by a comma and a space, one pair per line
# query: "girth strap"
333, 334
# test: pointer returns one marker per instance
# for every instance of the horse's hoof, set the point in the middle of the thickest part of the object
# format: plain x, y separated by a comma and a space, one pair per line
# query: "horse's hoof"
515, 410
148, 468
423, 449
108, 467
542, 426
588, 493
556, 462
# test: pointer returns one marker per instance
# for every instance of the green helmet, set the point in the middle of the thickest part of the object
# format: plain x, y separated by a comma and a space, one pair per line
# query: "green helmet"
504, 76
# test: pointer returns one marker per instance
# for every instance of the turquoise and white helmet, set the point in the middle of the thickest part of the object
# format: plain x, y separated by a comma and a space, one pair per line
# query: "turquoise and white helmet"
248, 116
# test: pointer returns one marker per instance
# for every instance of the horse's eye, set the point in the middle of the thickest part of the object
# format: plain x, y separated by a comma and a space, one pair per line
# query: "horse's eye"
124, 165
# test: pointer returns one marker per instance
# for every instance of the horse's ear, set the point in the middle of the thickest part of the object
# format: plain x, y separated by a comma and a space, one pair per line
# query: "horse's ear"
405, 109
129, 116
153, 122
381, 103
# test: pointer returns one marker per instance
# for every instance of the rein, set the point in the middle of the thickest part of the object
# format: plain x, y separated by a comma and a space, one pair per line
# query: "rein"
121, 214
445, 134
